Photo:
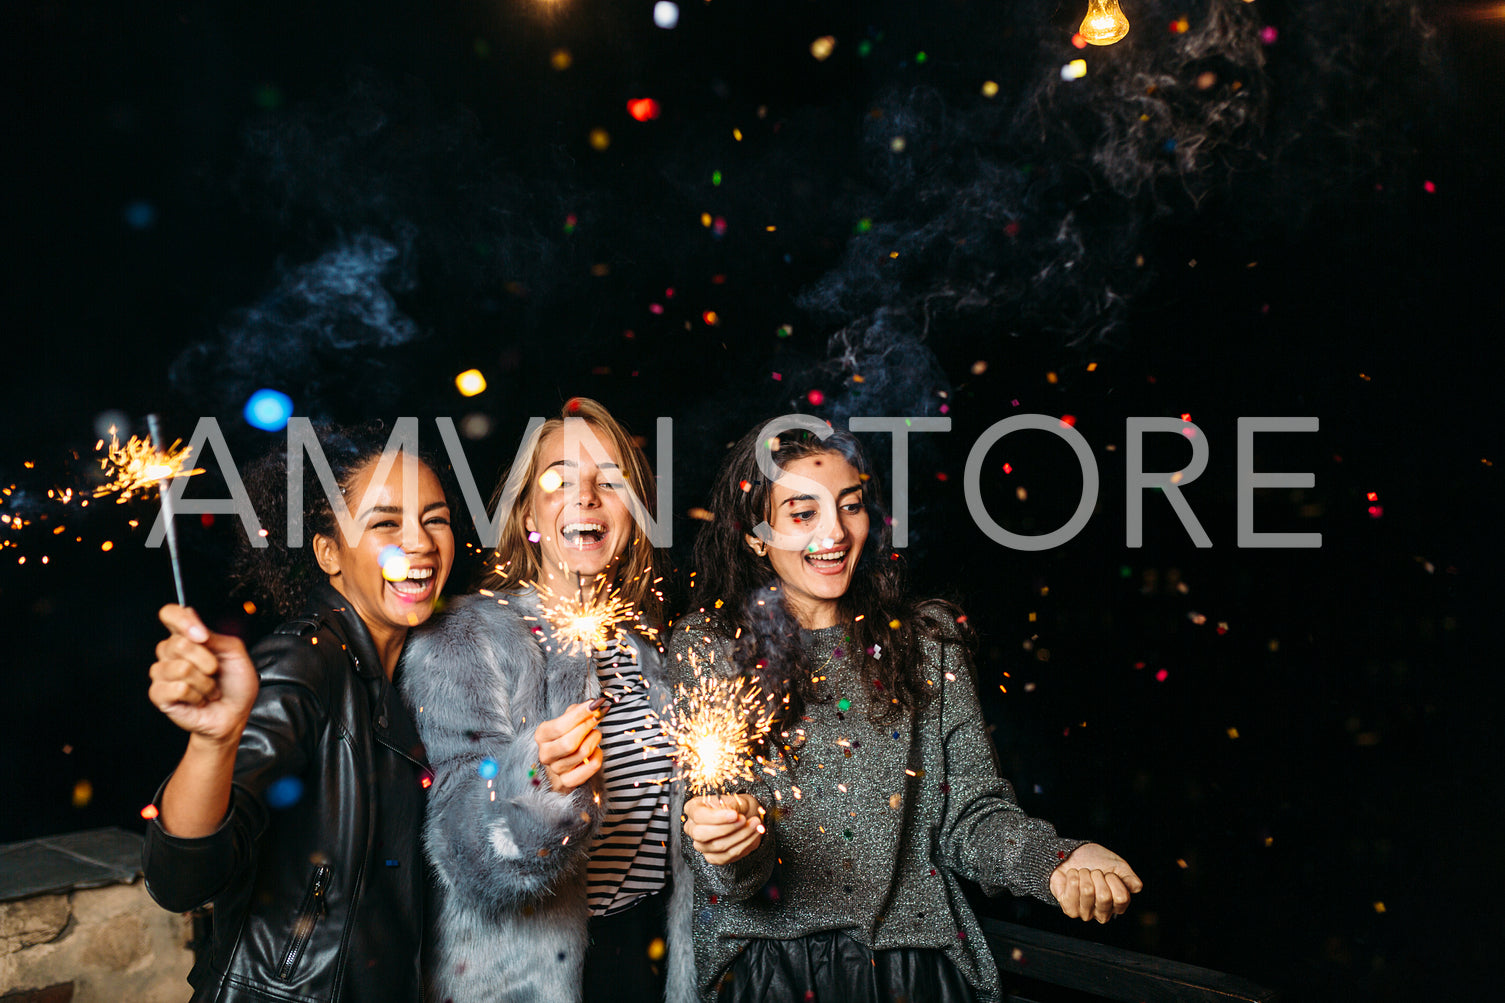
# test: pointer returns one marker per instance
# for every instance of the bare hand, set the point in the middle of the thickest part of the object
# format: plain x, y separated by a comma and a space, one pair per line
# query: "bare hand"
204, 682
725, 828
569, 747
1094, 883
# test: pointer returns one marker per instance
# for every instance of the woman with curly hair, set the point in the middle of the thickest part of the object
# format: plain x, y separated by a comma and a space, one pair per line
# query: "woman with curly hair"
552, 827
296, 807
835, 876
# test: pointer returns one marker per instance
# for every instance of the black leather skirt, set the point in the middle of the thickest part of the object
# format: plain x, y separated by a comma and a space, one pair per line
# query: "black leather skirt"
831, 967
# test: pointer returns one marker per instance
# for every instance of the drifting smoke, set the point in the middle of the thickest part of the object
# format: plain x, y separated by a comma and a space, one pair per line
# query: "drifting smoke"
317, 336
1036, 213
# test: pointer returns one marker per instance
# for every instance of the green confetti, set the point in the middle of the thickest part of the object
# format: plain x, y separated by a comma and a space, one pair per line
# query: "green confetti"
844, 704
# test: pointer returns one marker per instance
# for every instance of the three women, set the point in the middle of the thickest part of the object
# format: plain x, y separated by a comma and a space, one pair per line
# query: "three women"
549, 824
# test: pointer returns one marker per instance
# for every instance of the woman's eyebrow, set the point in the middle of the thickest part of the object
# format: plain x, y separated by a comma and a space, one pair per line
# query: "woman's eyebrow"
382, 509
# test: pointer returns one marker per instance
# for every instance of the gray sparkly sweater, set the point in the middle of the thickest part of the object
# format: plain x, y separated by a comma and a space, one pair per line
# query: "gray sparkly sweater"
871, 825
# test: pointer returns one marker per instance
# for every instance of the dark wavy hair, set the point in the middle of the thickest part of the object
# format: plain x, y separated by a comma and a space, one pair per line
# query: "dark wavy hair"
276, 574
739, 590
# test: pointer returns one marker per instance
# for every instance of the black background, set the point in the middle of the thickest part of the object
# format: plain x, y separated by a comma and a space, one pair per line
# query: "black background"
1338, 847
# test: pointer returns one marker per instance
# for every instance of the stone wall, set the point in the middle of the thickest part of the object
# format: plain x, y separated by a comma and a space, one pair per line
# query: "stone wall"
112, 944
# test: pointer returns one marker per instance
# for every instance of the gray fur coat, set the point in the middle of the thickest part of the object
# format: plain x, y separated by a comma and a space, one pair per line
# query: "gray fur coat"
508, 851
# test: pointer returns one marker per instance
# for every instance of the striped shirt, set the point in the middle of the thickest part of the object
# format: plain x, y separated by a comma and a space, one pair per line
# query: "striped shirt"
630, 856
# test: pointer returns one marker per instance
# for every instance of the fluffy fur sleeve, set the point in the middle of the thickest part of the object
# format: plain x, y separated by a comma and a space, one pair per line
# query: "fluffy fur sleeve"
478, 681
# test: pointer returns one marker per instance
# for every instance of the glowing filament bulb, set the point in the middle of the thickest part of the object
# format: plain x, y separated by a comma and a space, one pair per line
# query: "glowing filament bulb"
1105, 23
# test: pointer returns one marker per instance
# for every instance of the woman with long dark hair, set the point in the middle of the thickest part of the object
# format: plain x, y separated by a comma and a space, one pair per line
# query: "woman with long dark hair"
835, 876
552, 826
296, 807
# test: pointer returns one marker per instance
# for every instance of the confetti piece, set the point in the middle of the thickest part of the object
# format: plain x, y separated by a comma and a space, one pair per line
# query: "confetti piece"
268, 410
990, 88
470, 383
666, 16
600, 139
822, 47
644, 109
561, 59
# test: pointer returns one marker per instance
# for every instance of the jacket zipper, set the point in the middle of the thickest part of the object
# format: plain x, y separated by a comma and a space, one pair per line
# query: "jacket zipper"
308, 913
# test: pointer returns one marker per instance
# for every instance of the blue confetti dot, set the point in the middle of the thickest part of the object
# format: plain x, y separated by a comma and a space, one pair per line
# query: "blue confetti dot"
1170, 146
487, 769
269, 410
284, 792
139, 215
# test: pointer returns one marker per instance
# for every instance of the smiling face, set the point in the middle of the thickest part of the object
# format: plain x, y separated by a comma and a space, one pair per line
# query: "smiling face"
818, 574
392, 573
577, 508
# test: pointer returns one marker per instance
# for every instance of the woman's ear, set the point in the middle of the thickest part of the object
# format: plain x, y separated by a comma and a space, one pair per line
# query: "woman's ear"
528, 522
327, 554
755, 544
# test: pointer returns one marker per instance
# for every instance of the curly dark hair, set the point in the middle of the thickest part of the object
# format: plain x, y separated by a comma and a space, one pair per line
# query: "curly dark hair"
276, 574
878, 608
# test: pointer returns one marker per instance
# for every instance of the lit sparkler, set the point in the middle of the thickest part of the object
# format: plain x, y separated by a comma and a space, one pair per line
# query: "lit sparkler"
584, 625
716, 725
138, 466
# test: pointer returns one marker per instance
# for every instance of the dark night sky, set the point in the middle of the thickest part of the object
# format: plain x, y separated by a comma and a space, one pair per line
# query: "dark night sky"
353, 203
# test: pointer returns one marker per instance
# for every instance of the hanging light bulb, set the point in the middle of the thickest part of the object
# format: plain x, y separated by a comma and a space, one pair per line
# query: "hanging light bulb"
1105, 22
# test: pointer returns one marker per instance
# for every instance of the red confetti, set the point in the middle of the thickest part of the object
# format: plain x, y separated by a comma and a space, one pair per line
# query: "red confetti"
1068, 420
149, 812
816, 398
643, 109
1008, 468
1161, 676
1078, 41
1429, 187
207, 519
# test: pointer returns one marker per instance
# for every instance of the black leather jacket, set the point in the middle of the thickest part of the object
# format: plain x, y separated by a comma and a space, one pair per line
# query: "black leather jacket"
319, 899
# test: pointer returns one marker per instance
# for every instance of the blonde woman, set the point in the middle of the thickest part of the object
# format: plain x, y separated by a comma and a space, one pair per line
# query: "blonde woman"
551, 826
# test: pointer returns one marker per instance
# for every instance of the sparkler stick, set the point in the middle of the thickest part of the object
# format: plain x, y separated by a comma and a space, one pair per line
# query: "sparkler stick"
165, 474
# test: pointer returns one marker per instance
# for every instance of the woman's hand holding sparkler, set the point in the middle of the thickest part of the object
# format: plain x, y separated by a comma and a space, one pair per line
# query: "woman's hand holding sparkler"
206, 684
724, 828
1094, 883
569, 746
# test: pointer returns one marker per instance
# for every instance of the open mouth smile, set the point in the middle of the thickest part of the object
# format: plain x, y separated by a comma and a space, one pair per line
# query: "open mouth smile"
418, 586
827, 562
584, 535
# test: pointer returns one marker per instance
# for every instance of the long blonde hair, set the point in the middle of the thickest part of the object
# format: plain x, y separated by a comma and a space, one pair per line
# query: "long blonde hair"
517, 562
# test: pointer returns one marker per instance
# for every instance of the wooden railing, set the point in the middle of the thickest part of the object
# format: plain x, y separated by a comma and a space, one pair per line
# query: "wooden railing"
1040, 967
